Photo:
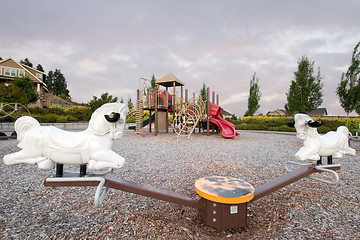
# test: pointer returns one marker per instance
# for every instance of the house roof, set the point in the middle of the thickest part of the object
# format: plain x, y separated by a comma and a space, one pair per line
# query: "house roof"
279, 112
318, 112
27, 69
225, 113
26, 66
169, 80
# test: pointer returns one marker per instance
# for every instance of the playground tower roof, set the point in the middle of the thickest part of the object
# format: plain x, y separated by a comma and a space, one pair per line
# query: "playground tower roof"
168, 81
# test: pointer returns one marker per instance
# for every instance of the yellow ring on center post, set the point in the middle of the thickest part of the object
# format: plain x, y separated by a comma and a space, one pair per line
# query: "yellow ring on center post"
224, 189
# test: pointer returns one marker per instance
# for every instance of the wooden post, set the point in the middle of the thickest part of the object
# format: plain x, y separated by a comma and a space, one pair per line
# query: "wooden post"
213, 101
194, 99
150, 121
186, 100
208, 111
217, 103
182, 98
20, 111
174, 98
167, 109
156, 111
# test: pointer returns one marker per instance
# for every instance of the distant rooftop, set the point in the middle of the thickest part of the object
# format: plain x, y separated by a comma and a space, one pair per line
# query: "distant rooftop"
318, 112
168, 81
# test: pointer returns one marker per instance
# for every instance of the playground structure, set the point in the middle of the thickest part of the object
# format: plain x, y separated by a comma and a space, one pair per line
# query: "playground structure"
222, 201
187, 113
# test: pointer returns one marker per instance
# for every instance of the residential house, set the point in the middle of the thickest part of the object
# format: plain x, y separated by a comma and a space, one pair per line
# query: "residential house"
318, 112
276, 113
226, 114
9, 69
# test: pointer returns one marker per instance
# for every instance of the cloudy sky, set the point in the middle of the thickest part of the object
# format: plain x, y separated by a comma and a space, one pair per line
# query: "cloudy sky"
106, 46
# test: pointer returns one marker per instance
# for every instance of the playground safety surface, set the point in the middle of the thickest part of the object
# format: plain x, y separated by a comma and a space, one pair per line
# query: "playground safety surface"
305, 209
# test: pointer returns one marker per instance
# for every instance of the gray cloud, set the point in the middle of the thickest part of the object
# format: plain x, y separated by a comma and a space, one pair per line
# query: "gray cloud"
106, 46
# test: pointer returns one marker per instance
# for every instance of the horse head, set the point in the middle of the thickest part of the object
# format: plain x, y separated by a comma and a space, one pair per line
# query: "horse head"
306, 126
109, 119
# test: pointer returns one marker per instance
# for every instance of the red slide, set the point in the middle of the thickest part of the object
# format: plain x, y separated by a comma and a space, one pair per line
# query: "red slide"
227, 128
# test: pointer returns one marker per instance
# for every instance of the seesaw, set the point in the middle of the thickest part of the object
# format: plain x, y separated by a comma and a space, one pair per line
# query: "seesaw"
222, 201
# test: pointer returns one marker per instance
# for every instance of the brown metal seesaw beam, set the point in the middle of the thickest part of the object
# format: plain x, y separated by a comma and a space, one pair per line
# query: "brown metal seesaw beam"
152, 192
128, 186
287, 179
169, 196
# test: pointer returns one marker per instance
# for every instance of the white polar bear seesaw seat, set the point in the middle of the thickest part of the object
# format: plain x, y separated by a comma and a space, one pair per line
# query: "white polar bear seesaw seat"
48, 145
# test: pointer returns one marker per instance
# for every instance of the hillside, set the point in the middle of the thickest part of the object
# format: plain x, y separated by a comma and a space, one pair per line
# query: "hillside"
51, 99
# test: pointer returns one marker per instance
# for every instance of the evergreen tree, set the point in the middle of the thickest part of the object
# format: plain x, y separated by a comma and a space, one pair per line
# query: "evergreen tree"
305, 93
254, 96
49, 80
40, 68
130, 104
153, 82
348, 89
203, 92
56, 83
26, 62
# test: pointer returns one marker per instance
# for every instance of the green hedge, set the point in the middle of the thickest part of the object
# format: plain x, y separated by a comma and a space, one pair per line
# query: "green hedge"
279, 124
54, 114
60, 114
73, 114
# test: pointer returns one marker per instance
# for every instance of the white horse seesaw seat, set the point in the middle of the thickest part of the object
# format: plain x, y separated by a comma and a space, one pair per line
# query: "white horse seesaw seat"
46, 146
331, 145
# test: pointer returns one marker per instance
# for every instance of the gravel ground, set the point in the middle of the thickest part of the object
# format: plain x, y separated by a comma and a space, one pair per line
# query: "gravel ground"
306, 209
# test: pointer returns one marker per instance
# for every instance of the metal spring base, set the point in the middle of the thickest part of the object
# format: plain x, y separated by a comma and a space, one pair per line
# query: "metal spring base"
320, 168
92, 178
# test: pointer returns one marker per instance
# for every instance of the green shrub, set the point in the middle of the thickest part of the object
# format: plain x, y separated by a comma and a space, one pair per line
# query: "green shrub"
62, 119
71, 118
56, 110
47, 118
170, 120
325, 129
79, 113
71, 114
282, 128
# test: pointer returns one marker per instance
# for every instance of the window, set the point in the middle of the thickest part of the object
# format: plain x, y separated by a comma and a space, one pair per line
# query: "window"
39, 76
21, 73
13, 72
7, 72
1, 71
